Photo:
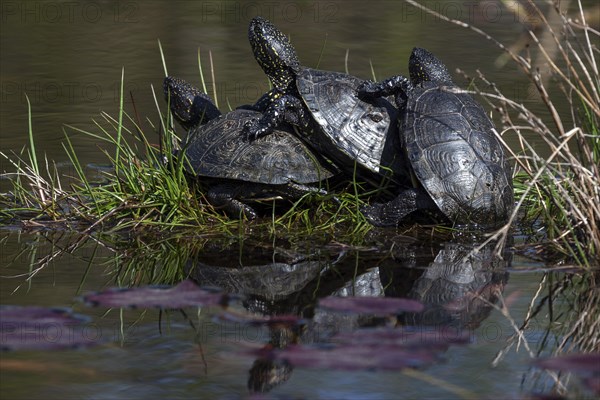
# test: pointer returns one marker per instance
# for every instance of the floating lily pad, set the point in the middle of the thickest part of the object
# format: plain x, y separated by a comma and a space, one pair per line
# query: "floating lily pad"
593, 383
185, 294
261, 320
587, 365
41, 328
351, 358
371, 305
369, 349
439, 339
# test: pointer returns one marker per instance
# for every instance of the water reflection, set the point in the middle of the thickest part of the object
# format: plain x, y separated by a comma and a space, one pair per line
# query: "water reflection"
457, 285
284, 277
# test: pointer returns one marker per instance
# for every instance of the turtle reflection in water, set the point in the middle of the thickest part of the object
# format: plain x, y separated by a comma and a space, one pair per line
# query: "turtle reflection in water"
274, 282
457, 285
447, 279
279, 165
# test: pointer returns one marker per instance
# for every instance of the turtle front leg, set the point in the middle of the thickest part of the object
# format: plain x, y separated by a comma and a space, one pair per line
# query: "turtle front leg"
394, 211
265, 100
223, 197
285, 108
397, 85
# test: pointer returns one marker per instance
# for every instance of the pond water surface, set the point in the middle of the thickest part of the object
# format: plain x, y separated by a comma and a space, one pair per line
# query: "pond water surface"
194, 352
68, 58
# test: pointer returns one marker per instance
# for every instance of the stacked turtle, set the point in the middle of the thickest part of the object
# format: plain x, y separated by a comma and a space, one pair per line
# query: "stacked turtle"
236, 170
437, 147
451, 147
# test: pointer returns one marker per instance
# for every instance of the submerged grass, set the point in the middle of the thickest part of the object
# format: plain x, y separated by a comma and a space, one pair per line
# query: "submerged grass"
148, 188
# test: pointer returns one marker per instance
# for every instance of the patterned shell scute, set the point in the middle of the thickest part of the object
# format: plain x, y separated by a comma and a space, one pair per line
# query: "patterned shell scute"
357, 128
219, 150
454, 152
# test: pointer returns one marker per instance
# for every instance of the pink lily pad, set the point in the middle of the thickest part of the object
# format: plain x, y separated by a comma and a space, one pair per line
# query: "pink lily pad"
350, 358
439, 339
587, 364
41, 328
368, 349
185, 294
593, 383
582, 363
261, 320
371, 305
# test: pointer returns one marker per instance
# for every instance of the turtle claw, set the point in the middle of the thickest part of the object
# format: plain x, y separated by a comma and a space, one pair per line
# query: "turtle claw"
367, 90
257, 128
252, 130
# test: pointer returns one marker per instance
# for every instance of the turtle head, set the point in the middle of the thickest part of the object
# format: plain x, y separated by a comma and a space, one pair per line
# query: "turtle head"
189, 106
274, 52
425, 67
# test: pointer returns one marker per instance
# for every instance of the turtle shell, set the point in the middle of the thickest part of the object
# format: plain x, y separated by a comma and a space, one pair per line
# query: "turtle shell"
457, 286
218, 150
350, 130
456, 156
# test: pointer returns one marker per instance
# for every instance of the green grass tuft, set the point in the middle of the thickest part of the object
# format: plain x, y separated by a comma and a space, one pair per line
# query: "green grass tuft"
149, 189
